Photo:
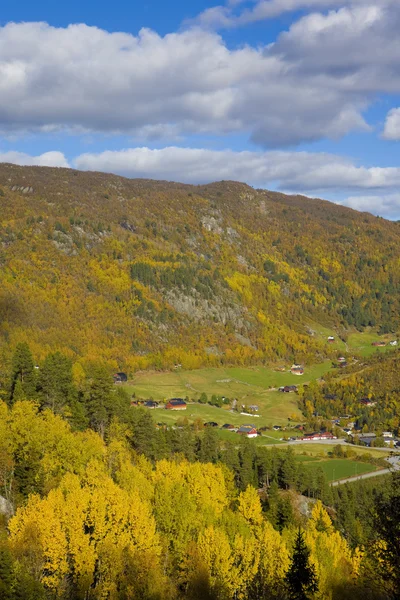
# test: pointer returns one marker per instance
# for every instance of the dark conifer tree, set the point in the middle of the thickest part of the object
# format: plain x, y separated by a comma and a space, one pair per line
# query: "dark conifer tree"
98, 398
387, 526
23, 371
209, 443
6, 572
55, 382
301, 578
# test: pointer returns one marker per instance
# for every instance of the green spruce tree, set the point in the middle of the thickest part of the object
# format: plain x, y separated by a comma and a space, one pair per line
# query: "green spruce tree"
55, 382
209, 442
6, 572
22, 371
301, 578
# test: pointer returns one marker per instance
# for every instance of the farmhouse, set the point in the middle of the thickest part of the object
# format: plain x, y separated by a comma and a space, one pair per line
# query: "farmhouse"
254, 407
393, 343
331, 339
176, 404
327, 435
287, 389
120, 377
297, 370
248, 430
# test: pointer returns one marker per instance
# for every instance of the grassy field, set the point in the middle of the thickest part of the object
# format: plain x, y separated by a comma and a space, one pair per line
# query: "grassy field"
341, 468
250, 386
274, 408
361, 343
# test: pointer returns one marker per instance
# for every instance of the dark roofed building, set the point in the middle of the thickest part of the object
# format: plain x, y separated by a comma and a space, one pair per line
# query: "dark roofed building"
151, 404
120, 377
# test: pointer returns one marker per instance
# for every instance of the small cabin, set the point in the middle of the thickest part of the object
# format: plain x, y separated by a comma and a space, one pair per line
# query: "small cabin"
287, 389
151, 404
297, 370
120, 377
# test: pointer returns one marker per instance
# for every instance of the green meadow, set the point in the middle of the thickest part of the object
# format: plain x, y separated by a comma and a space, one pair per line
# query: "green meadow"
257, 385
359, 343
341, 468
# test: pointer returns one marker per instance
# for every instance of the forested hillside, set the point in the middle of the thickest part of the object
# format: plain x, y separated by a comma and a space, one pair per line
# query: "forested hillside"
150, 274
369, 390
95, 518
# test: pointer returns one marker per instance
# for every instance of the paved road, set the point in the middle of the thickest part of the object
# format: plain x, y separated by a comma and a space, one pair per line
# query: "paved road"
394, 466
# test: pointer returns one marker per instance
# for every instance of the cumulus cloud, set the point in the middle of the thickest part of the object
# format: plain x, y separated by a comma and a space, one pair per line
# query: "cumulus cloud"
314, 82
385, 205
227, 15
392, 125
48, 159
373, 189
294, 171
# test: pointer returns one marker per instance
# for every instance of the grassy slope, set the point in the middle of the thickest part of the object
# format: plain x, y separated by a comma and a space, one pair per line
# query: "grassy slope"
361, 343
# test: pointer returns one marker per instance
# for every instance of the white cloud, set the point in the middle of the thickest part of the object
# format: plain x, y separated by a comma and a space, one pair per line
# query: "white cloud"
386, 205
314, 82
292, 171
48, 159
392, 125
226, 16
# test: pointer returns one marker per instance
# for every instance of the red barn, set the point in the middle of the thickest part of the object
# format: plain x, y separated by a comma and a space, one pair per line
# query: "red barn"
176, 404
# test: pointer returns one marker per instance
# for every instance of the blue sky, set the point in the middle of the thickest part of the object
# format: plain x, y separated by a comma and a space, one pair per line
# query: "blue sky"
297, 95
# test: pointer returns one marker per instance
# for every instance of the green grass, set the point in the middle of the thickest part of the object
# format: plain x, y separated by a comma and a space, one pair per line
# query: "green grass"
248, 385
273, 411
358, 342
361, 343
341, 468
323, 333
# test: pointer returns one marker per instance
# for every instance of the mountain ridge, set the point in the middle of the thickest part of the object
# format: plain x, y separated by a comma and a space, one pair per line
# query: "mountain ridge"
147, 273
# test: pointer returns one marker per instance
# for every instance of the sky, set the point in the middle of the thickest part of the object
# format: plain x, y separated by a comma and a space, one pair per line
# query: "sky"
300, 96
